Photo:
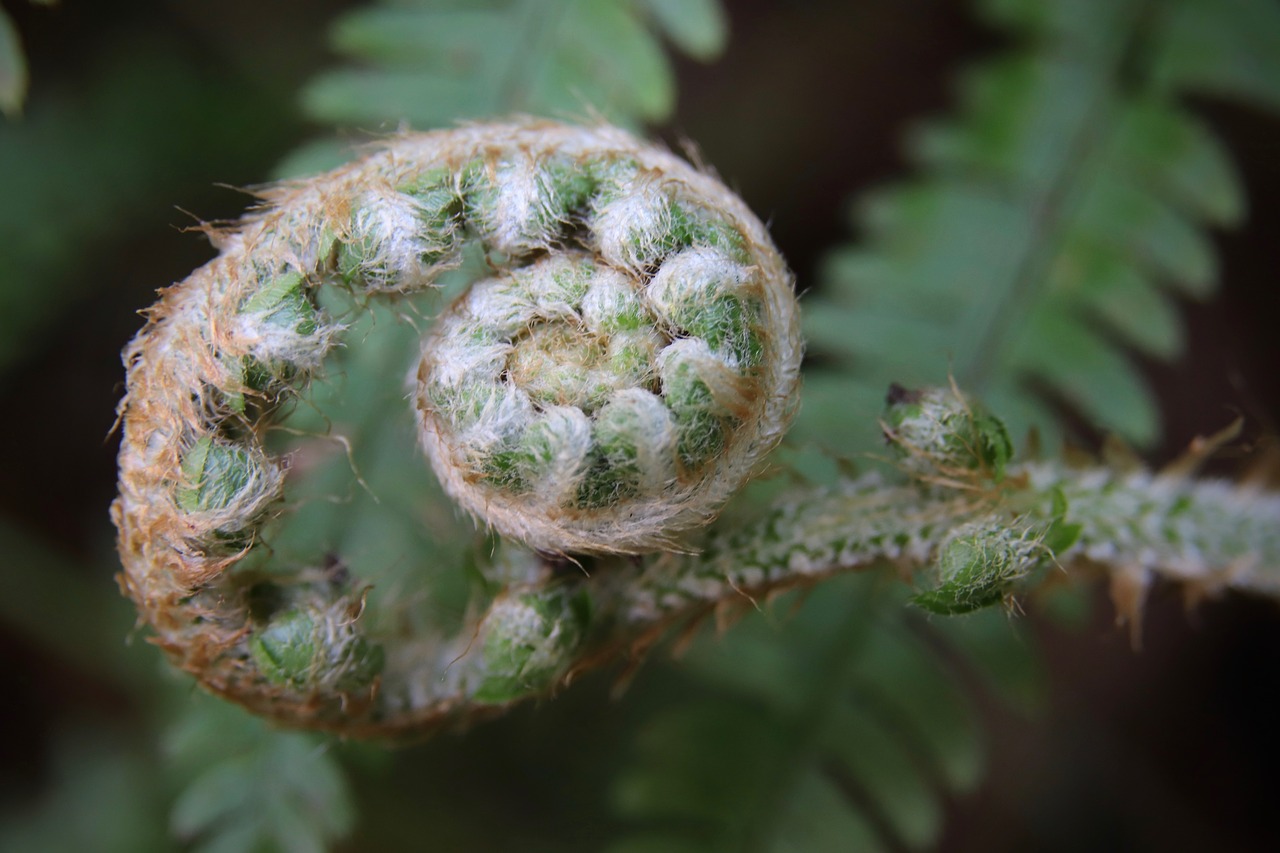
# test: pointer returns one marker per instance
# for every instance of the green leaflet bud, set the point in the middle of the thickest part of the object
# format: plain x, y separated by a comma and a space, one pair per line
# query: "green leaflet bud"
701, 391
385, 247
937, 434
225, 484
529, 641
639, 221
546, 457
977, 565
286, 650
632, 440
282, 302
284, 333
438, 205
706, 294
307, 648
519, 204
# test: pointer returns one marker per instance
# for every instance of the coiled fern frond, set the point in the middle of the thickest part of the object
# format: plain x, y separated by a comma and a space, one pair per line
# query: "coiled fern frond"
317, 647
628, 369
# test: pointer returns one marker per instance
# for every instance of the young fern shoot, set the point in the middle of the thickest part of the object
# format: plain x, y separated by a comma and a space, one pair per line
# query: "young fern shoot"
625, 369
633, 360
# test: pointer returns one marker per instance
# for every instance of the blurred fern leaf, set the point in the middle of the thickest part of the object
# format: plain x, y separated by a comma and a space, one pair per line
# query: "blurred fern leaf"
842, 728
434, 63
252, 788
1055, 221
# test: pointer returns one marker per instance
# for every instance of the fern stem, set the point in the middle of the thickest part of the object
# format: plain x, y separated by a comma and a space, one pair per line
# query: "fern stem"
1209, 534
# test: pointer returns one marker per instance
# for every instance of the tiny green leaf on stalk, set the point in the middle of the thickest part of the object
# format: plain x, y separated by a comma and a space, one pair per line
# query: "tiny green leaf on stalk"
214, 475
530, 640
977, 567
935, 431
1061, 534
286, 650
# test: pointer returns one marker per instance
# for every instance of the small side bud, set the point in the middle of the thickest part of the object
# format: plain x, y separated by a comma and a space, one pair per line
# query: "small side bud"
939, 433
285, 336
224, 487
529, 642
308, 648
977, 566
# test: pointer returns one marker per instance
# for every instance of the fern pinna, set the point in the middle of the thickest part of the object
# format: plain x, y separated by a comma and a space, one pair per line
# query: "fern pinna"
1077, 149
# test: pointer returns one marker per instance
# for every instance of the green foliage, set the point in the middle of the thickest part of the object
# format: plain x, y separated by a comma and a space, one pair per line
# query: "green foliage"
1225, 48
1056, 219
432, 64
252, 788
835, 726
101, 796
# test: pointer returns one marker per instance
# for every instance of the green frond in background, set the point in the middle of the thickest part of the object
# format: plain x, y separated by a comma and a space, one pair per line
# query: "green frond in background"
102, 795
1055, 223
252, 788
427, 63
836, 725
433, 64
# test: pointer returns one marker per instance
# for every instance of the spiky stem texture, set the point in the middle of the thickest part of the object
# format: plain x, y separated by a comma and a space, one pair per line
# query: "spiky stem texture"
628, 367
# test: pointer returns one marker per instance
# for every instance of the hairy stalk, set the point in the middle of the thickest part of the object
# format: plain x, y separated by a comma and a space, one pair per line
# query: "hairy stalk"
599, 398
1209, 534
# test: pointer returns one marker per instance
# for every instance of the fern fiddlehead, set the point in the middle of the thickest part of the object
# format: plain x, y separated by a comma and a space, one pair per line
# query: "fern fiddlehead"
626, 368
633, 360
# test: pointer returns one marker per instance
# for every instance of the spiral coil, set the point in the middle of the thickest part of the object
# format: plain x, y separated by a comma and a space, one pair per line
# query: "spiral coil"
632, 360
